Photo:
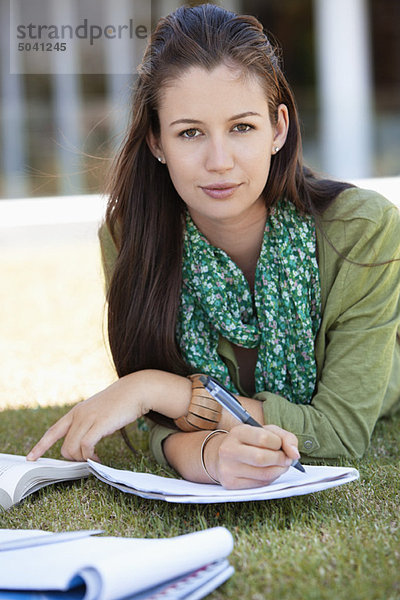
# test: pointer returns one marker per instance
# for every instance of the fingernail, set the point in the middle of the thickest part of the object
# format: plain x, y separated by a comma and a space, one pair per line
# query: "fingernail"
296, 451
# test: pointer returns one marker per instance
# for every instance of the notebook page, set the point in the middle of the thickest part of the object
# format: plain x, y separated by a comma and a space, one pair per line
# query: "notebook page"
293, 480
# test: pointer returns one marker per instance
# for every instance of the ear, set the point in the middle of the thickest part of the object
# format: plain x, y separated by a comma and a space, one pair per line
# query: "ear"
281, 129
155, 146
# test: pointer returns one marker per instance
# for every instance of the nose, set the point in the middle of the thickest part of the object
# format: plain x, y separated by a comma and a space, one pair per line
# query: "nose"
219, 155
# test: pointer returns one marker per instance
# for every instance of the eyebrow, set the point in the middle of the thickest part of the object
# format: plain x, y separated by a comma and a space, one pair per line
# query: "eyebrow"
248, 113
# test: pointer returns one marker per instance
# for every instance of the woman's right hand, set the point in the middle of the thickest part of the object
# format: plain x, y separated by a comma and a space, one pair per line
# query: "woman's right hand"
91, 420
248, 457
118, 405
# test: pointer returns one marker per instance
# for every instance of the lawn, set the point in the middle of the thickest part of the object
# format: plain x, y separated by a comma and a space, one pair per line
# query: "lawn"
338, 544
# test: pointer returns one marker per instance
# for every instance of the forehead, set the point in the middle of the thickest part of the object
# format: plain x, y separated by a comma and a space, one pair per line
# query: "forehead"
223, 86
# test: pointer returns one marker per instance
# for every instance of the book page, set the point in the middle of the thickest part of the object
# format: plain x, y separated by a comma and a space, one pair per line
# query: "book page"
19, 477
12, 469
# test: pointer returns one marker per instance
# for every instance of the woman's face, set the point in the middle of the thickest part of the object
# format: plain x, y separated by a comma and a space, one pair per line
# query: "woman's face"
217, 140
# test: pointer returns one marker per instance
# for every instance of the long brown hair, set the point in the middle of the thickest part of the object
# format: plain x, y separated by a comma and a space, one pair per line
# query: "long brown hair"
145, 213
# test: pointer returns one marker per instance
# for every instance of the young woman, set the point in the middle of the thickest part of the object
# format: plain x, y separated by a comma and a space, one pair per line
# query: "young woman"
225, 256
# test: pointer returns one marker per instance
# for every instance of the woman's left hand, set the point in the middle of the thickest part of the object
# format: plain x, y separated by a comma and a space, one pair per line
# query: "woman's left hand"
244, 457
250, 457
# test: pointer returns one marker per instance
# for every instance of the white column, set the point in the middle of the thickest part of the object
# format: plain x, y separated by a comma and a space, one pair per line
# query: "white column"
165, 7
67, 108
344, 82
121, 60
162, 8
234, 5
13, 140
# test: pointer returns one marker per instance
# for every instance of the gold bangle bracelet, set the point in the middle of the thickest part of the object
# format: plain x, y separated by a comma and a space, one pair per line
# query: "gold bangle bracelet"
203, 446
204, 411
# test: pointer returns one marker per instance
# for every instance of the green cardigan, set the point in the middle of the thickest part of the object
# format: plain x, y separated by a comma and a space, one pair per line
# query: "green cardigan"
357, 348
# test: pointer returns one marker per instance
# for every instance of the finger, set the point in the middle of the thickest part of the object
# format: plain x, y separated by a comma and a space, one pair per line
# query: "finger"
88, 444
256, 456
77, 444
257, 436
80, 453
262, 457
252, 477
52, 435
80, 443
288, 440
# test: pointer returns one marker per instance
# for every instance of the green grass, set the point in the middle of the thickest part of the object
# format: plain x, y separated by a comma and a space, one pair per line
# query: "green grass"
342, 543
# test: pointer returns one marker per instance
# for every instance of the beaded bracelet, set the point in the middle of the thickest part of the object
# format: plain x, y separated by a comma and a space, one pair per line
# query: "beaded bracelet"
204, 411
203, 446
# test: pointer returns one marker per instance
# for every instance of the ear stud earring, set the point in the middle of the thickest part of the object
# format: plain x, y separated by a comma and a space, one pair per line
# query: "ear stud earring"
276, 149
160, 159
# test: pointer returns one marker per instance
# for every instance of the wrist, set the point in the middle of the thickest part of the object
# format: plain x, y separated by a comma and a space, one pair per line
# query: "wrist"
227, 421
253, 406
165, 393
210, 452
204, 411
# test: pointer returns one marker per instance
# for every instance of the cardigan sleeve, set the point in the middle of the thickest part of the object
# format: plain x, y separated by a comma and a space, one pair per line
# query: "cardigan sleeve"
357, 347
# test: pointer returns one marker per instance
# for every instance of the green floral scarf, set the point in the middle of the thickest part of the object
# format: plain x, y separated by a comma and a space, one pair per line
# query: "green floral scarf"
282, 318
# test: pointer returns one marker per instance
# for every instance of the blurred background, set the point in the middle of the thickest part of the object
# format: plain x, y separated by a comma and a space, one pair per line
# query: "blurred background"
342, 58
62, 116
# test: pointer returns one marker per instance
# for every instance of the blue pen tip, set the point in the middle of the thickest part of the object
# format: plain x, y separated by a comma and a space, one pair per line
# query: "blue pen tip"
297, 465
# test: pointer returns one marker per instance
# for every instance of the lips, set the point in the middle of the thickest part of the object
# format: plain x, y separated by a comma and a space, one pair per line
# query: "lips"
220, 190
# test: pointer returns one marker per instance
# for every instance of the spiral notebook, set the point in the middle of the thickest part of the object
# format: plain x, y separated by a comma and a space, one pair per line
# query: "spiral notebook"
109, 568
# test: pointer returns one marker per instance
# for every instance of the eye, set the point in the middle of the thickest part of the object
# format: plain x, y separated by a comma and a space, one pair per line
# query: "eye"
243, 127
189, 134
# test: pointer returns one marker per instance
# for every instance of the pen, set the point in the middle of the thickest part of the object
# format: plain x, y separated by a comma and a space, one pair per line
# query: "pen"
232, 405
42, 540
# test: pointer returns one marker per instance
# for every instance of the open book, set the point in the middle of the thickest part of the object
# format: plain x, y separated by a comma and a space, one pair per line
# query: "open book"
19, 478
110, 568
